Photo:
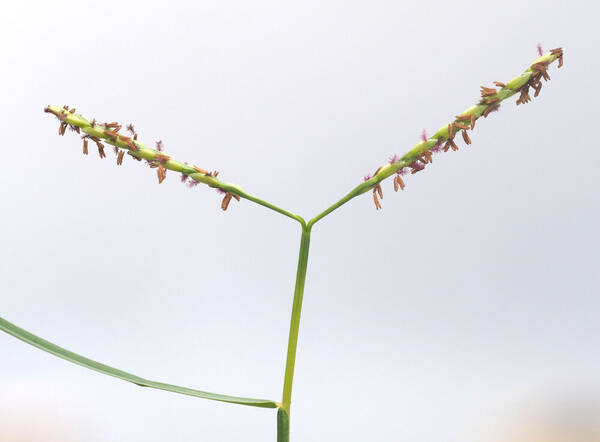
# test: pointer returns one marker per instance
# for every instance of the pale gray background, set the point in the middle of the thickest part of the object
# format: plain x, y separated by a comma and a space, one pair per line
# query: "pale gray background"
474, 288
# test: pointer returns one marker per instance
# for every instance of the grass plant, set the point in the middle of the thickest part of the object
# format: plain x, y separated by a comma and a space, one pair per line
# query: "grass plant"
94, 133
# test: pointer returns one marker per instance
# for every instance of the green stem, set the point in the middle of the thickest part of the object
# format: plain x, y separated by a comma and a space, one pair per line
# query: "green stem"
358, 190
283, 414
267, 204
283, 426
295, 321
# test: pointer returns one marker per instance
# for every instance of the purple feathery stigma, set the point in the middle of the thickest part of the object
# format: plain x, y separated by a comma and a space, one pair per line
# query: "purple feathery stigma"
367, 177
416, 166
159, 146
424, 135
394, 159
192, 183
539, 48
403, 171
438, 146
184, 178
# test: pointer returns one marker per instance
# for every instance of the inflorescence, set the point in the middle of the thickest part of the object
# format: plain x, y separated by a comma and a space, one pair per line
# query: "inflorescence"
154, 158
444, 139
414, 161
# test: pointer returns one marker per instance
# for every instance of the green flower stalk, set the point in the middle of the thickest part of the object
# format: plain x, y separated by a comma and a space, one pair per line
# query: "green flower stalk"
412, 162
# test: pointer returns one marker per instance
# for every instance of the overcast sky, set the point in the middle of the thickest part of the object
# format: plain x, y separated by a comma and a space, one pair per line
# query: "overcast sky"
475, 288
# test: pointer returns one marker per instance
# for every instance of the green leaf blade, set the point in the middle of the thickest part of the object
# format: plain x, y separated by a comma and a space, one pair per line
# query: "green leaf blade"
75, 358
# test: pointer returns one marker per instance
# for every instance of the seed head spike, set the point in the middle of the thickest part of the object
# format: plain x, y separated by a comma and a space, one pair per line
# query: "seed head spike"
414, 161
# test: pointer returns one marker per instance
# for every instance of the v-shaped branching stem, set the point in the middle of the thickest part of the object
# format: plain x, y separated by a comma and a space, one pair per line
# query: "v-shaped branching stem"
415, 160
283, 414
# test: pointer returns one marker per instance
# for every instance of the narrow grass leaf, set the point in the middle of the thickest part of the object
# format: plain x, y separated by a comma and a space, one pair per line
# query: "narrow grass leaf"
54, 349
